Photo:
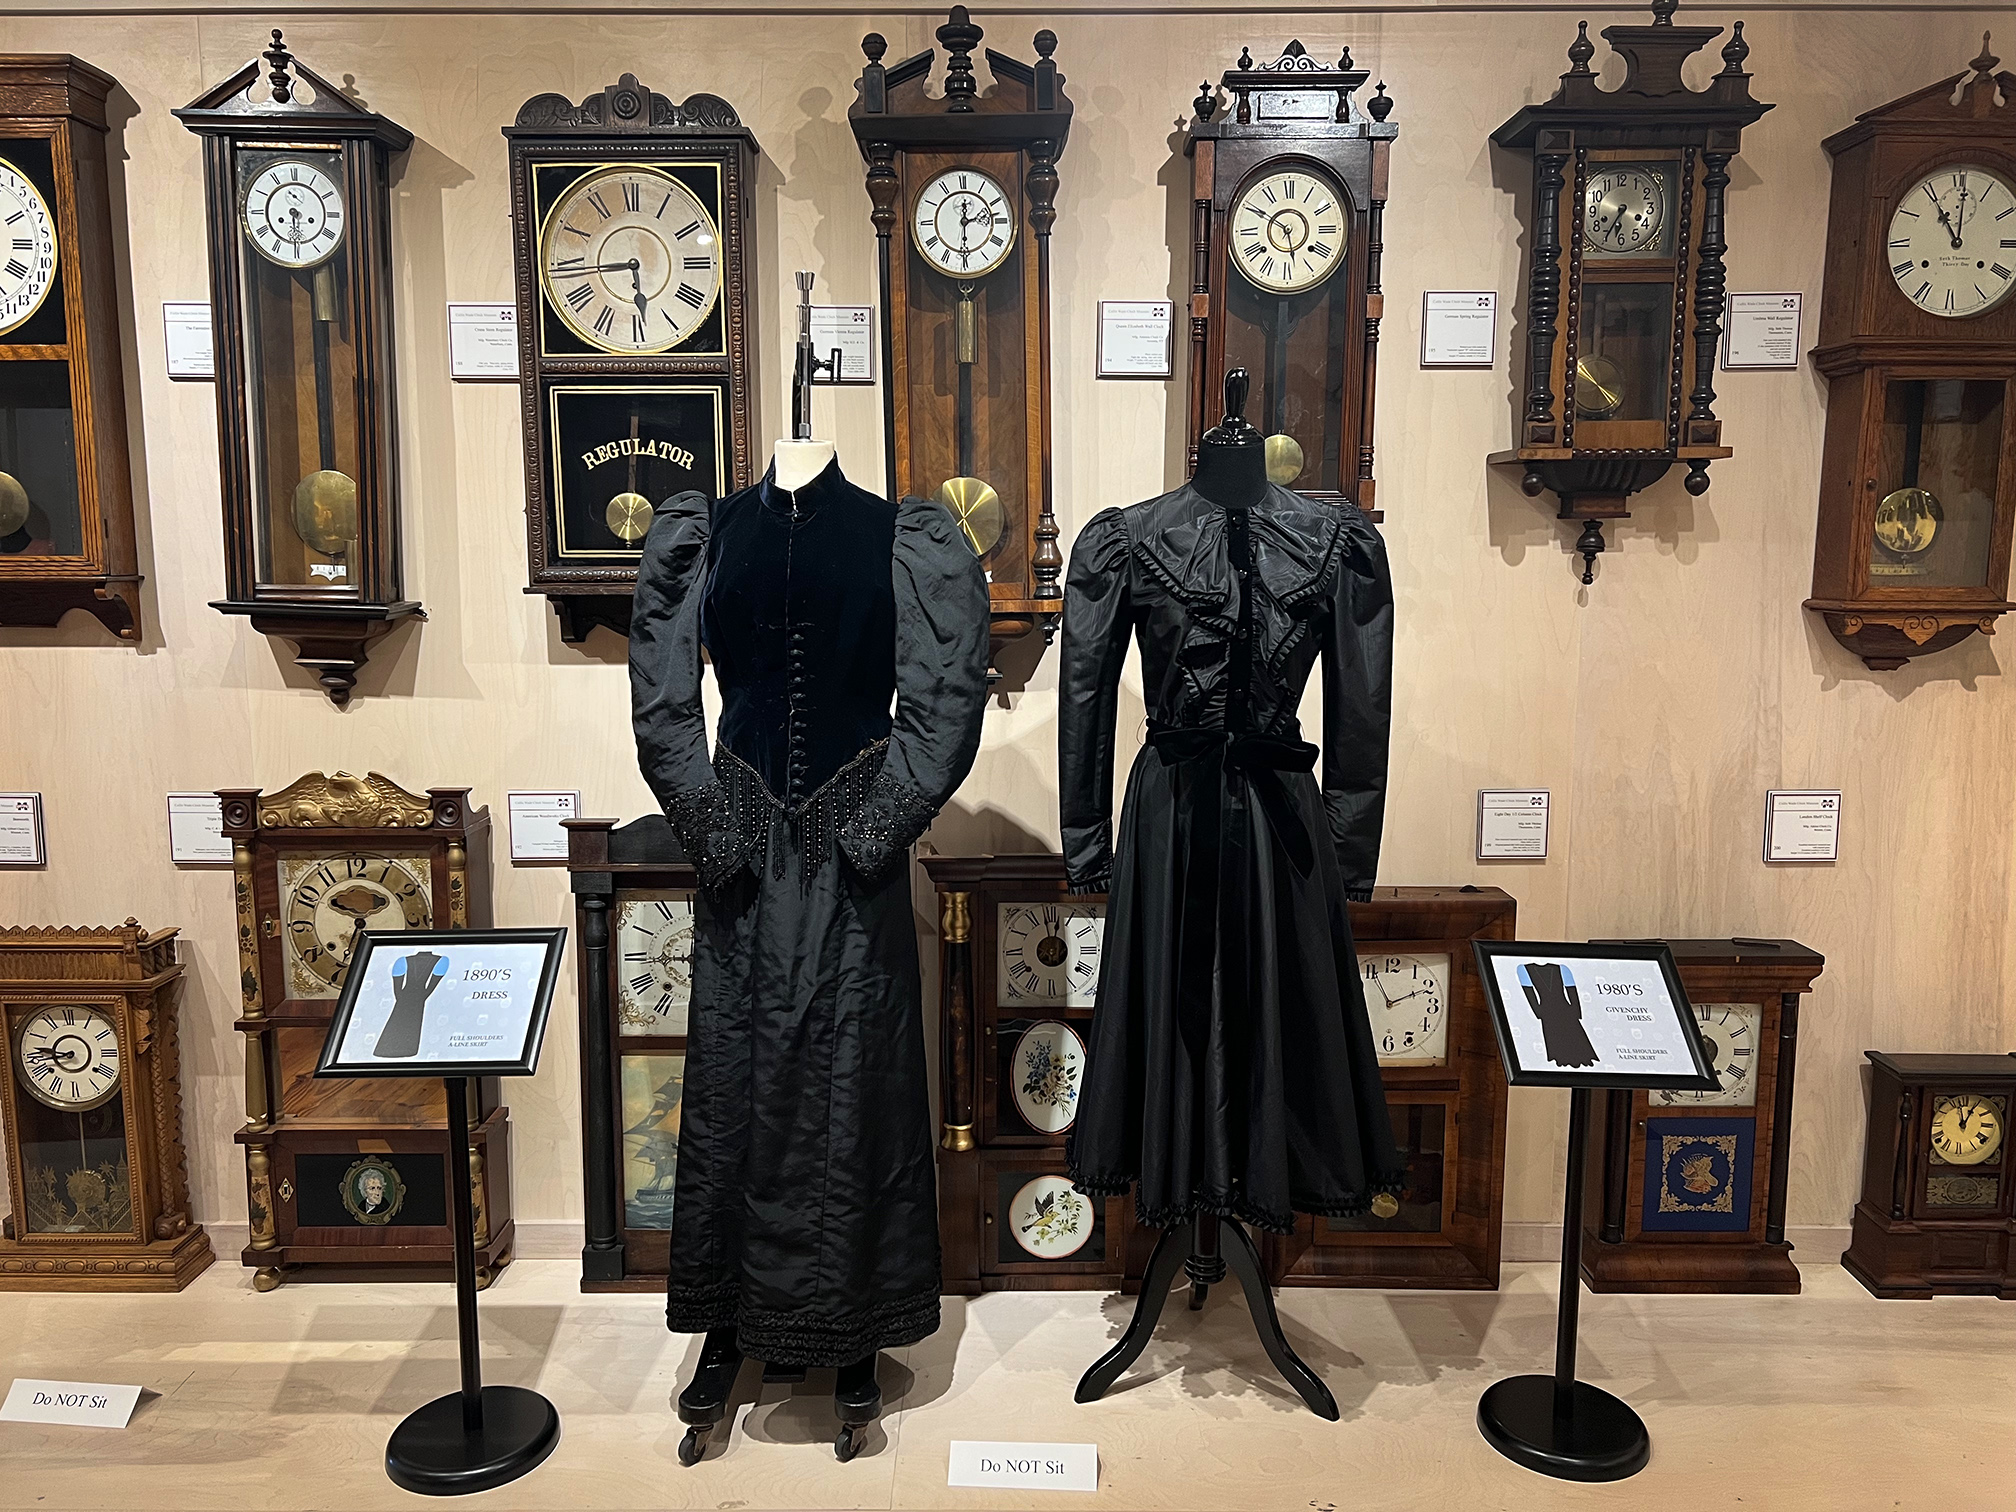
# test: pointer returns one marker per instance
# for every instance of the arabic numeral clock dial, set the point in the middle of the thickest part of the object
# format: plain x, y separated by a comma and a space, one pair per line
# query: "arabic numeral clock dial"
1624, 210
1966, 1128
1730, 1034
68, 1057
293, 213
28, 242
1288, 231
963, 223
1952, 243
1050, 954
1407, 1006
654, 949
630, 260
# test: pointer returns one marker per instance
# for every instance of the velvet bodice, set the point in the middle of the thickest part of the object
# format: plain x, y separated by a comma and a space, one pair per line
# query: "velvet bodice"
798, 615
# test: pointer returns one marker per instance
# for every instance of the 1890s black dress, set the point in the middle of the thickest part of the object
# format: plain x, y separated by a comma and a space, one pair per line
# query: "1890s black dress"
1231, 1069
804, 1211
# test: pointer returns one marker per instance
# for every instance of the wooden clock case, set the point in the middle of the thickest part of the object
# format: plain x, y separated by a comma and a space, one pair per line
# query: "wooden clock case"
60, 100
132, 975
299, 1131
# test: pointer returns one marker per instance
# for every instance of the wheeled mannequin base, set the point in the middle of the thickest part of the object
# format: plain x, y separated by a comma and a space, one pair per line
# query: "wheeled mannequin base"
857, 1396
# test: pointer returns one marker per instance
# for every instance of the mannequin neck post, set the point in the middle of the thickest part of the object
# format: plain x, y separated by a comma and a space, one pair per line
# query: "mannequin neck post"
1231, 475
797, 463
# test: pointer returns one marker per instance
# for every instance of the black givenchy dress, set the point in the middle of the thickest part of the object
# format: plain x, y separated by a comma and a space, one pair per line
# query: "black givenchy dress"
1230, 1069
804, 1209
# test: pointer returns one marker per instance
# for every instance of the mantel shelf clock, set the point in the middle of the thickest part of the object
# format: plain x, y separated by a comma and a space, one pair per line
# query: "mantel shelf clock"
1288, 196
964, 189
1635, 178
295, 175
1918, 346
632, 222
66, 492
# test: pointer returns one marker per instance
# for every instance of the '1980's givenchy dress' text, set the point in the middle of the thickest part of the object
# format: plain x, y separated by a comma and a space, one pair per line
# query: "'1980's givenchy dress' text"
1231, 1069
804, 1210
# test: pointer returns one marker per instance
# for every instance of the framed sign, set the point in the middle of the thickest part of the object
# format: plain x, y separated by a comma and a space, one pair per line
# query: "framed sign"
1612, 1015
444, 1002
1137, 338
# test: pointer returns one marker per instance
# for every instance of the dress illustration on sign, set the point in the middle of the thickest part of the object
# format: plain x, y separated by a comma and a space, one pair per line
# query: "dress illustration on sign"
373, 1191
1550, 992
1048, 1059
413, 982
1049, 1219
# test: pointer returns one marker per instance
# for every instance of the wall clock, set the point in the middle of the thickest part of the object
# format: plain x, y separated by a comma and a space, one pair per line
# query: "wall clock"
1629, 193
66, 502
633, 911
91, 1109
1445, 1088
315, 864
630, 218
1918, 345
1686, 1191
1018, 967
964, 193
1934, 1216
295, 175
1288, 194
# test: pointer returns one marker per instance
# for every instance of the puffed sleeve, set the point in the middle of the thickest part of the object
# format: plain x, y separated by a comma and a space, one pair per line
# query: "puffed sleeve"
1097, 623
941, 688
665, 708
1358, 702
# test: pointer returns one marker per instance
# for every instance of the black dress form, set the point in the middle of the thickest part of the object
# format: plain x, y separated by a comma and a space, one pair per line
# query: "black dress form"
804, 1209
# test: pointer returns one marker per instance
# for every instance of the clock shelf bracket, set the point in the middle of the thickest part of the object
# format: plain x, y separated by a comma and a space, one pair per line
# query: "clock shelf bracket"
1597, 426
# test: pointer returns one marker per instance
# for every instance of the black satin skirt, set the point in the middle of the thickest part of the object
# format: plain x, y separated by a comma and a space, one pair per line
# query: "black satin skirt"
1230, 1069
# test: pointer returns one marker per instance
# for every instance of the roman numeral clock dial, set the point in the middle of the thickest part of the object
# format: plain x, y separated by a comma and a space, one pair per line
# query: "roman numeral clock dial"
1952, 242
630, 260
293, 213
963, 223
68, 1056
1288, 231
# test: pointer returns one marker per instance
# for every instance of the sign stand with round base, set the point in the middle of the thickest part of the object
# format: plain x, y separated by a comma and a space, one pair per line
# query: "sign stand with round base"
1556, 1424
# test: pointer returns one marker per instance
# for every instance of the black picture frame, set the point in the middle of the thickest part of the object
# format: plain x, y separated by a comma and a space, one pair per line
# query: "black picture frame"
526, 1061
1519, 1074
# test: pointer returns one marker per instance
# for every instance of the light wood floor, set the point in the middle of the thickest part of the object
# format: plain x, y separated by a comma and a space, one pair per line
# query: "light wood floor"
1831, 1400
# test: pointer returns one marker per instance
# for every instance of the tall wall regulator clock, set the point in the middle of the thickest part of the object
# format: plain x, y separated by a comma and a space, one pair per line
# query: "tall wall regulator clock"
964, 193
352, 1172
66, 498
631, 220
1288, 194
1625, 296
91, 1110
295, 175
1918, 345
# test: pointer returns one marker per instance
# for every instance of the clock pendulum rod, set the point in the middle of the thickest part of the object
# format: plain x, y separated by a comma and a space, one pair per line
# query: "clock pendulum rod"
1284, 452
628, 514
808, 365
324, 290
966, 340
325, 501
972, 500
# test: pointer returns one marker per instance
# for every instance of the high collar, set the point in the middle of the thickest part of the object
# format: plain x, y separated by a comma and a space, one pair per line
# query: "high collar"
829, 484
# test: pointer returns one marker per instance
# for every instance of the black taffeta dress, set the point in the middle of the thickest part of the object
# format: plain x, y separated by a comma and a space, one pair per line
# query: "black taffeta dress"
804, 1209
1231, 1069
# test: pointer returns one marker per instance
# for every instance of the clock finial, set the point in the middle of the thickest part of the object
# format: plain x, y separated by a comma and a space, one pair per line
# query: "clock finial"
1380, 105
1046, 42
1662, 11
1581, 50
1205, 105
1245, 58
874, 45
959, 36
282, 60
1983, 65
1734, 54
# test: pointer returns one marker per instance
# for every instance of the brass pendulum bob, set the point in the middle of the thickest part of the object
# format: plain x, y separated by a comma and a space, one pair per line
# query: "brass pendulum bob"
13, 505
1908, 518
973, 501
325, 502
628, 515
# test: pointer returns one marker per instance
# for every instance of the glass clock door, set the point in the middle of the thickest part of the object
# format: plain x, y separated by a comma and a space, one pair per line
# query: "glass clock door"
40, 510
70, 1120
1936, 470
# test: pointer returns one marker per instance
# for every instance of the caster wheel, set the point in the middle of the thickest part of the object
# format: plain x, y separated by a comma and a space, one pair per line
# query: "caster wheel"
847, 1444
693, 1446
266, 1280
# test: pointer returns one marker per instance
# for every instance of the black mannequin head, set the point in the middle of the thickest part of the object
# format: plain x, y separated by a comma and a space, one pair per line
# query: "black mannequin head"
1232, 456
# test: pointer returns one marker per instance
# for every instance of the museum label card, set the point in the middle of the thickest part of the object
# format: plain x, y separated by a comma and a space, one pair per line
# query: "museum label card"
1609, 1014
78, 1403
1027, 1467
21, 838
850, 330
1512, 824
196, 830
537, 825
1136, 340
482, 341
1459, 327
1802, 824
1761, 331
186, 324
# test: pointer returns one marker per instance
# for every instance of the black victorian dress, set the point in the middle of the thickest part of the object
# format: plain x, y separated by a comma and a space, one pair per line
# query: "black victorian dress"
1231, 1069
804, 1210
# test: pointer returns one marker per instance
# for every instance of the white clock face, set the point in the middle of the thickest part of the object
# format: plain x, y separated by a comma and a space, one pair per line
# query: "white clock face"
27, 248
68, 1056
1952, 246
963, 223
1407, 1004
1729, 1033
1623, 210
1288, 231
630, 260
1049, 954
654, 959
294, 213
